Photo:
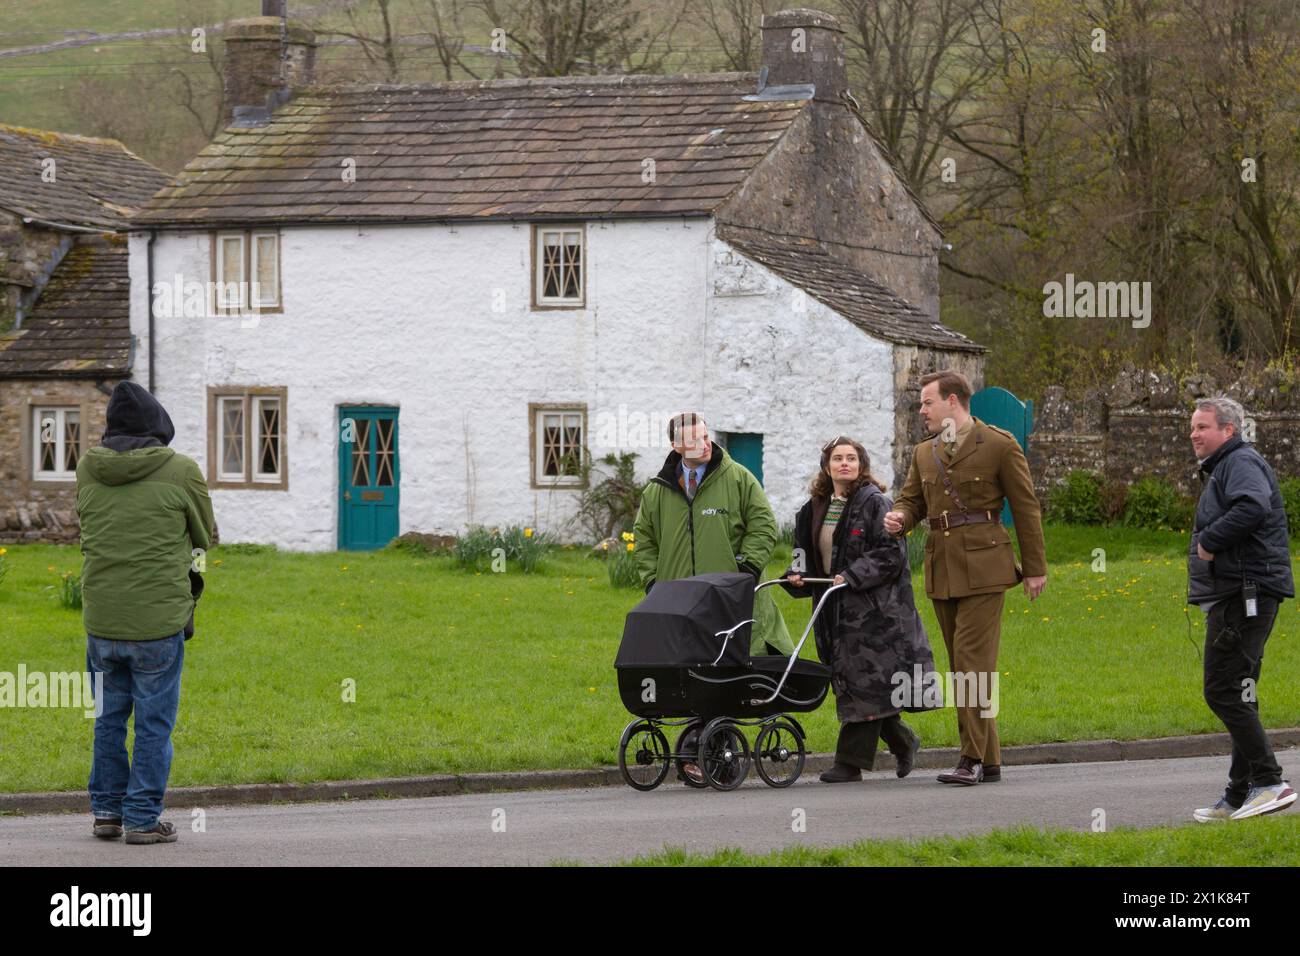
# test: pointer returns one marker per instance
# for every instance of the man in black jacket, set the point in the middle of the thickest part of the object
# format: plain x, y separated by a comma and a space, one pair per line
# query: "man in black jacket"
1238, 571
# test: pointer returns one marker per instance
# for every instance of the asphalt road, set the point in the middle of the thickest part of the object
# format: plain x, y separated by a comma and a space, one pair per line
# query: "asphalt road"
607, 824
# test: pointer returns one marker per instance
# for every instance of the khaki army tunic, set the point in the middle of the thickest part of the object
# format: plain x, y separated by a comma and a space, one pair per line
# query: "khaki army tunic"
974, 558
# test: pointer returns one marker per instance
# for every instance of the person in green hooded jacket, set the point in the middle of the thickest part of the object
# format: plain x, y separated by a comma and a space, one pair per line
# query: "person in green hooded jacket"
144, 512
705, 512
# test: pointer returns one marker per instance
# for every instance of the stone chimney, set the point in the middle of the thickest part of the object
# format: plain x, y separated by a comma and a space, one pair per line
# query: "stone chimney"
267, 57
802, 47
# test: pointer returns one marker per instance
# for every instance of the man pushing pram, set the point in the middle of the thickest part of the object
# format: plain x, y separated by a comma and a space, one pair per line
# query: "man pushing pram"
703, 513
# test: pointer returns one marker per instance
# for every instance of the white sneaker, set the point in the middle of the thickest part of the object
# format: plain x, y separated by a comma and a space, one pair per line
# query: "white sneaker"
1266, 800
1222, 810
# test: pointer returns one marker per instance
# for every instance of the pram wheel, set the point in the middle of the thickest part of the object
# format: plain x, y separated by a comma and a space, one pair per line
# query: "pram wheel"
643, 756
724, 754
688, 742
779, 753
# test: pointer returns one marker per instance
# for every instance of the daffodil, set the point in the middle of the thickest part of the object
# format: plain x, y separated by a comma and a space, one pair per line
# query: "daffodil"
630, 546
528, 532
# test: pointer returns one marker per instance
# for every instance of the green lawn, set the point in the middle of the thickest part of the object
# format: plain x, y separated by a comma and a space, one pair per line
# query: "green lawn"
459, 672
1269, 841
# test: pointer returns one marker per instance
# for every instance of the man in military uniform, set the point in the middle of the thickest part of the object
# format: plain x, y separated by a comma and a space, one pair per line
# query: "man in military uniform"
957, 482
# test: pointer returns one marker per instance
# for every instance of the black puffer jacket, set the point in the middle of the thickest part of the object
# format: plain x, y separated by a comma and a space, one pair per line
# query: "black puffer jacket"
1240, 520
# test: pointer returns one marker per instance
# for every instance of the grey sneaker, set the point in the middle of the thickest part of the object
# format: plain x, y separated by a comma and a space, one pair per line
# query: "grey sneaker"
1223, 810
161, 833
1266, 800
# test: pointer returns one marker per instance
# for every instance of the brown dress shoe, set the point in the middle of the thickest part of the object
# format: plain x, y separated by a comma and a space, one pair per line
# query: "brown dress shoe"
992, 773
967, 773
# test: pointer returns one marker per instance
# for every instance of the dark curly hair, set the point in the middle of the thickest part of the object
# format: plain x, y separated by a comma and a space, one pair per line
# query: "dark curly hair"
824, 487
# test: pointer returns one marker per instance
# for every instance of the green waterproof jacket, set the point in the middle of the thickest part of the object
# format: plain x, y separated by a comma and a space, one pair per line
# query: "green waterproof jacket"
728, 527
142, 513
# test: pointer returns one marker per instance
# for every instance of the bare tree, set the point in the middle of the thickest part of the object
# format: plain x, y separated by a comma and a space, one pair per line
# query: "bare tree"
736, 26
443, 23
918, 63
1242, 107
371, 25
200, 89
564, 37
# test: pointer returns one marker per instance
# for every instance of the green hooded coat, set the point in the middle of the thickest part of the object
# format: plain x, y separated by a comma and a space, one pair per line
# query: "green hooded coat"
142, 513
728, 527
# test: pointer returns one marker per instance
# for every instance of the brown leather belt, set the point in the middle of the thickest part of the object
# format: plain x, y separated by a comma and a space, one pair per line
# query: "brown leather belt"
944, 522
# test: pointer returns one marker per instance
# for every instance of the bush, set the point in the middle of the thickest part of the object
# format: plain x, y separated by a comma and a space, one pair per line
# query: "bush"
1077, 500
1155, 503
1290, 499
1114, 496
609, 505
473, 549
68, 590
622, 564
479, 547
525, 546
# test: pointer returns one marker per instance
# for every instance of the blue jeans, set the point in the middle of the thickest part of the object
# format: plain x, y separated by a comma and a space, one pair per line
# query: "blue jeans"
146, 676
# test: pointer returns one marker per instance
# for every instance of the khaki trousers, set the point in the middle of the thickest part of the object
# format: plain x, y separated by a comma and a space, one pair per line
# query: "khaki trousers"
971, 629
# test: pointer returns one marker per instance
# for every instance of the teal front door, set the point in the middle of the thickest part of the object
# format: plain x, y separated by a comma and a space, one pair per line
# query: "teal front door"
747, 449
369, 477
997, 406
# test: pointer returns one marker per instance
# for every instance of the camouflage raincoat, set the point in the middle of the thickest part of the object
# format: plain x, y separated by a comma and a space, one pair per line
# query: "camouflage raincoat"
869, 631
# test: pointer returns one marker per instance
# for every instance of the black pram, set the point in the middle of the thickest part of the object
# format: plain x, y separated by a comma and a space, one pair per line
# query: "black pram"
684, 661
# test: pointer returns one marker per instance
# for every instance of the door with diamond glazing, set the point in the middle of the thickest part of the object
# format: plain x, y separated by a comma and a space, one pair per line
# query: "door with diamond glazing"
369, 477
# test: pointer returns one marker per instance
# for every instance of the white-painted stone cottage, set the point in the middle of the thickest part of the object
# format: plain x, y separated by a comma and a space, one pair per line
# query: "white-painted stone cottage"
410, 308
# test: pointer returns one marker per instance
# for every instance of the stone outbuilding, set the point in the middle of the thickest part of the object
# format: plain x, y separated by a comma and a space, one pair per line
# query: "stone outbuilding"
65, 337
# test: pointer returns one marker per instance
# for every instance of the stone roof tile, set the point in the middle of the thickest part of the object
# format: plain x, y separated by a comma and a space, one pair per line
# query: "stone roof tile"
491, 149
80, 325
96, 183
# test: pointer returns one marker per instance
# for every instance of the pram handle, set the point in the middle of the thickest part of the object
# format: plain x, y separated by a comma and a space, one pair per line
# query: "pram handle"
798, 647
785, 581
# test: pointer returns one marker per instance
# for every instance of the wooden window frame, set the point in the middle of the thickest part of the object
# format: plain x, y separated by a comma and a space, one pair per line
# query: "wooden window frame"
248, 238
90, 411
250, 396
535, 274
58, 479
535, 410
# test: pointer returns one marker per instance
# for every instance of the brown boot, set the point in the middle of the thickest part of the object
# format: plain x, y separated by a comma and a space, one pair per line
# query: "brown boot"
967, 773
841, 773
992, 773
907, 759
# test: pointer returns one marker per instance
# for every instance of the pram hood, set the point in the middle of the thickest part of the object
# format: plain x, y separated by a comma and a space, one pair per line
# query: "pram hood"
678, 622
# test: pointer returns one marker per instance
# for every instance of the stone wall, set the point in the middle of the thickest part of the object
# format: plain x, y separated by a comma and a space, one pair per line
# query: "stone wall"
1138, 425
910, 363
41, 510
827, 179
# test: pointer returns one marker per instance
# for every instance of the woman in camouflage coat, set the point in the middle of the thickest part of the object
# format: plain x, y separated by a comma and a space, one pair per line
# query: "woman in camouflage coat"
869, 631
